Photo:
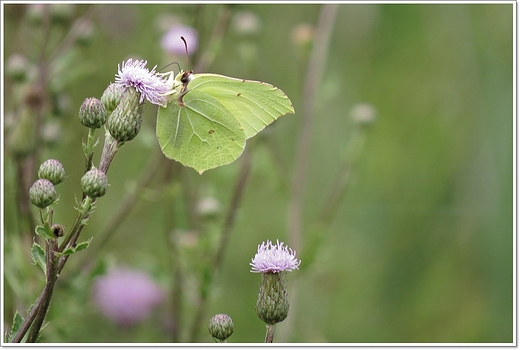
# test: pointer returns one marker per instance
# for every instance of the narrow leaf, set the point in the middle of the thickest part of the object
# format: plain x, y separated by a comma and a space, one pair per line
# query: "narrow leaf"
78, 247
38, 256
17, 322
44, 232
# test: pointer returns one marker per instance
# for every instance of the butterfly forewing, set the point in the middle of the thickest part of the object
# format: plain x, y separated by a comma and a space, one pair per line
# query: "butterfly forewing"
254, 104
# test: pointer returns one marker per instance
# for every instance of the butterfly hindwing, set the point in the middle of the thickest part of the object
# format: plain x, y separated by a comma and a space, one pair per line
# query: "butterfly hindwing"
202, 134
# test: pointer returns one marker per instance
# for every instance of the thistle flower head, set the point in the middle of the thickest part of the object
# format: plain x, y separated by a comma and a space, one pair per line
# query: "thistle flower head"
126, 296
274, 258
133, 73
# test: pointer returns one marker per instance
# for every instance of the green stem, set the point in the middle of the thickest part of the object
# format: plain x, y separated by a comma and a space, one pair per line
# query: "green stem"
52, 276
84, 210
89, 149
224, 239
269, 332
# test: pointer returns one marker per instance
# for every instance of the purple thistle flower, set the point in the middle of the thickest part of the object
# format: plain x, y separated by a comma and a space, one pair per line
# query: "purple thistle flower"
274, 258
148, 83
126, 296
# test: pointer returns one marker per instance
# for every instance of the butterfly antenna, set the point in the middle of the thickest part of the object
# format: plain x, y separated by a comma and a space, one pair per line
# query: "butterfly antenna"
187, 56
169, 64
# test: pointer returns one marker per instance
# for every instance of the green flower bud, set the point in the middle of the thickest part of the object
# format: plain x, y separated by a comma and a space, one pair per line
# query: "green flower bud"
35, 13
221, 327
112, 96
272, 304
125, 122
94, 183
42, 193
86, 32
21, 139
17, 67
61, 13
92, 113
52, 170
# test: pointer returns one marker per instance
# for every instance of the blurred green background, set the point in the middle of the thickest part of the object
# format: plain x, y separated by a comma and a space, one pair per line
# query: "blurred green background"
420, 249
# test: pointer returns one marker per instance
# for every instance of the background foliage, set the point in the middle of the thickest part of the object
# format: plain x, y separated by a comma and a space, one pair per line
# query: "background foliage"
419, 250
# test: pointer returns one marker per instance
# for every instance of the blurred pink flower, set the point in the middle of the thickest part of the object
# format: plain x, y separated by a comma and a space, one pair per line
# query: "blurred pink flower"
171, 40
126, 296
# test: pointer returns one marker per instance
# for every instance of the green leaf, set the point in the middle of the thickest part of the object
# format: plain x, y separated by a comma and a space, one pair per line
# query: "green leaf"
39, 257
44, 232
209, 118
78, 247
17, 322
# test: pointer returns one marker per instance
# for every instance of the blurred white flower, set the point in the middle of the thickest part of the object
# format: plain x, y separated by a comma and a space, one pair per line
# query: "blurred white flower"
126, 296
246, 22
363, 113
171, 40
208, 206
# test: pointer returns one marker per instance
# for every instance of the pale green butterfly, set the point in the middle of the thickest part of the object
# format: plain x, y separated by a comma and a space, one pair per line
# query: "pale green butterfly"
209, 117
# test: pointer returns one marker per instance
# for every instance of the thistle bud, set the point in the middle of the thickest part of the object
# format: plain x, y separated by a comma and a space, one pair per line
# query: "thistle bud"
94, 183
42, 193
112, 96
272, 304
92, 113
125, 122
221, 327
52, 170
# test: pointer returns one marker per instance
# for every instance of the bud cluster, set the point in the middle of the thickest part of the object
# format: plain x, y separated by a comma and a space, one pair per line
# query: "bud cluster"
42, 193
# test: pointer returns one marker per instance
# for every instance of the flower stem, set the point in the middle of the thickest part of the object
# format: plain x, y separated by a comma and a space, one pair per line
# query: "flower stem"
269, 332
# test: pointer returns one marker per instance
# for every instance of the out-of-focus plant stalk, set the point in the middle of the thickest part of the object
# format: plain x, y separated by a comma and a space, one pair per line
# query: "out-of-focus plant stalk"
315, 70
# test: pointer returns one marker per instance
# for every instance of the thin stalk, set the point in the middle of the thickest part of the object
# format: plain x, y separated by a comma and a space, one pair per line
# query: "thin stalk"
315, 70
227, 228
269, 332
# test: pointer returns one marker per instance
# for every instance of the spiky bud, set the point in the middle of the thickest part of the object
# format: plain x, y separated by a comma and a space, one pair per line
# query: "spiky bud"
221, 327
92, 113
42, 193
94, 183
272, 304
52, 170
112, 96
125, 122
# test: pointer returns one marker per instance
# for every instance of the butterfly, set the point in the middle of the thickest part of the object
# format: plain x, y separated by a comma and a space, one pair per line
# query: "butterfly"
209, 117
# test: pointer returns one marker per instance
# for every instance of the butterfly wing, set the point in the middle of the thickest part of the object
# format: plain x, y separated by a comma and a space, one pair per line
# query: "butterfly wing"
254, 104
201, 134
